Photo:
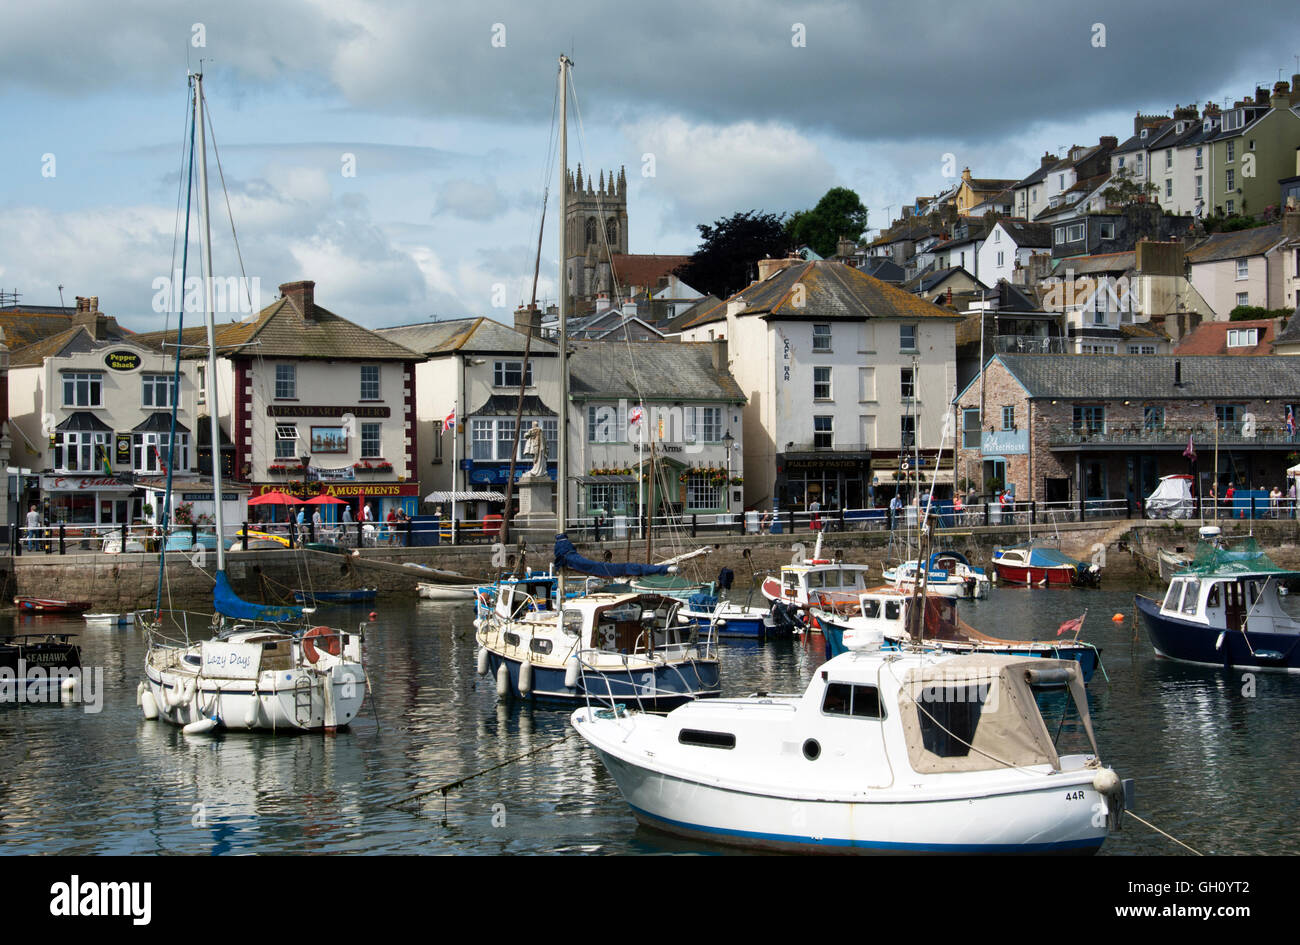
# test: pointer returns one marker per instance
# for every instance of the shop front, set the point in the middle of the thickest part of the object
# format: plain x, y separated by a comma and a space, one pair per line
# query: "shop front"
382, 497
89, 500
839, 481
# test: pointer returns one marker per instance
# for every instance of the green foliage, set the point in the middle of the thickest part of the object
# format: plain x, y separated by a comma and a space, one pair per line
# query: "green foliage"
1222, 224
1244, 313
992, 484
730, 249
1126, 190
839, 213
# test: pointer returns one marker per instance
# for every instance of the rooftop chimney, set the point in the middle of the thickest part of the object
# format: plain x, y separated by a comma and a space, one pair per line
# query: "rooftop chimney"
768, 266
1178, 373
719, 354
528, 321
1108, 141
1047, 160
736, 306
302, 295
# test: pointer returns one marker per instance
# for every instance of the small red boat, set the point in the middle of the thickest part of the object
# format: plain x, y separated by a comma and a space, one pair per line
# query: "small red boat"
43, 605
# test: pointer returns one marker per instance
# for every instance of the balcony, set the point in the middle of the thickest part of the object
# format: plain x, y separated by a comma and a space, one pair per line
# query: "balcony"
827, 449
1028, 344
1230, 436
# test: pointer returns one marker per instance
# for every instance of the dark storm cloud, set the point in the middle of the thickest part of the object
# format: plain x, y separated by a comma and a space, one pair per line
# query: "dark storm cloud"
917, 70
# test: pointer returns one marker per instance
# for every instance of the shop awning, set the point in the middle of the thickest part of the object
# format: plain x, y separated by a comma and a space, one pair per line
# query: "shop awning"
465, 497
888, 478
159, 422
605, 480
83, 421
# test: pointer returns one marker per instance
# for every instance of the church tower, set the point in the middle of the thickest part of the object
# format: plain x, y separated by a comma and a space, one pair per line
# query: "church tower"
597, 219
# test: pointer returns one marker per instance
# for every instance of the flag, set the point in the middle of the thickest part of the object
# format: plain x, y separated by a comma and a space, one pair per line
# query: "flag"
162, 464
1290, 421
103, 455
449, 424
636, 414
1072, 626
1190, 452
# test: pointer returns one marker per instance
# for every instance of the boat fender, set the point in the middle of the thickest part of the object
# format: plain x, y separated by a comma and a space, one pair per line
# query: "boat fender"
503, 681
572, 672
250, 717
1106, 781
201, 727
140, 690
525, 677
1218, 644
149, 705
483, 664
68, 688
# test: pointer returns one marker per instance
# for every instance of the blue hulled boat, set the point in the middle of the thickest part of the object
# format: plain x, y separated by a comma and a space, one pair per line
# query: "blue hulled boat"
1225, 610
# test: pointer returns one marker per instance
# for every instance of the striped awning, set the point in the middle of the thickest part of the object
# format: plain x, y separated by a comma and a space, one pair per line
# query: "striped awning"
465, 497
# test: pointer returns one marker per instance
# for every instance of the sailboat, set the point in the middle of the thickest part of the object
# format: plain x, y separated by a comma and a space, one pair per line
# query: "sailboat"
613, 646
257, 671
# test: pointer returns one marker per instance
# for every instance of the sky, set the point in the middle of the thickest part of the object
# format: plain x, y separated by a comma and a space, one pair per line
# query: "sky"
397, 152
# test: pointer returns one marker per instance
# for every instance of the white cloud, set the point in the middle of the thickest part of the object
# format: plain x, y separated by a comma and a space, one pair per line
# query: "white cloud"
471, 200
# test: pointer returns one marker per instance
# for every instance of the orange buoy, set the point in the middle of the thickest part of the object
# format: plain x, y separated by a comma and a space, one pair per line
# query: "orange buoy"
373, 615
1118, 618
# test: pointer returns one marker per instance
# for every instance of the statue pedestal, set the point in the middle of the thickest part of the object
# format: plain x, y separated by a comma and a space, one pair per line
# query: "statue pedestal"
536, 518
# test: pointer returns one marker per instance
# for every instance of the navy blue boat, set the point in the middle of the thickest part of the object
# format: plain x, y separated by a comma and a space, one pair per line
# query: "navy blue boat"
1225, 610
359, 595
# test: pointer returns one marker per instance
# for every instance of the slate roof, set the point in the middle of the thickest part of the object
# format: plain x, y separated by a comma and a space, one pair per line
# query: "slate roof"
928, 281
280, 331
1027, 234
707, 309
1291, 331
1103, 262
831, 290
1237, 245
1111, 377
68, 341
1212, 338
654, 370
884, 269
478, 335
27, 324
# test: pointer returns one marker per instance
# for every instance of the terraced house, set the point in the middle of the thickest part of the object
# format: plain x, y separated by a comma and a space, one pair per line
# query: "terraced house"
844, 377
1105, 429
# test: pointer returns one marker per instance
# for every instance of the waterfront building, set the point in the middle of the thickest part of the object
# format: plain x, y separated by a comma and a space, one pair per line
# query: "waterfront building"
1245, 267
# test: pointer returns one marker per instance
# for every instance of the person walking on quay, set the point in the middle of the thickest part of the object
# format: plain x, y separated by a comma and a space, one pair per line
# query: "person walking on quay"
895, 509
1275, 501
32, 538
1290, 499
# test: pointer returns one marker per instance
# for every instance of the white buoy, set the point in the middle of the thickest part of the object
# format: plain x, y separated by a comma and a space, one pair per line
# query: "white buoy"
572, 672
1106, 781
140, 690
149, 705
525, 677
68, 688
201, 727
482, 661
503, 681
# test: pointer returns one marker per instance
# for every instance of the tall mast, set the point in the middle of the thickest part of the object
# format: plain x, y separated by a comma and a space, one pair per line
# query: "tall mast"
562, 445
205, 252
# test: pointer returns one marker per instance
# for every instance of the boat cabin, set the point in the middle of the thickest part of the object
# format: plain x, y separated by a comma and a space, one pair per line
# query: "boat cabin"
1228, 600
801, 584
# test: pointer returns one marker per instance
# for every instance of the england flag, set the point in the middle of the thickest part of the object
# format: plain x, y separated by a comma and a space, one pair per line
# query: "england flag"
636, 414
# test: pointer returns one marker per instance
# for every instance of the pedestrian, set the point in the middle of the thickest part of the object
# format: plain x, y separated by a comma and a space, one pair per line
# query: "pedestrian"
765, 522
1275, 501
958, 510
1227, 497
895, 509
366, 514
815, 508
1290, 499
316, 520
33, 528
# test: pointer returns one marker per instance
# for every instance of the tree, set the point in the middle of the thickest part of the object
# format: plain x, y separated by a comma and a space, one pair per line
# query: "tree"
729, 251
839, 213
1126, 190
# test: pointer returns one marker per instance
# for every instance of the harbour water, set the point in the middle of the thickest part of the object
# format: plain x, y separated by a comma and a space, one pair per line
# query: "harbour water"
1216, 756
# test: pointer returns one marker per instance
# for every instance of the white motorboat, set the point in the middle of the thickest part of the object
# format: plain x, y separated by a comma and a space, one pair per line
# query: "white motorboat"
121, 620
803, 579
950, 575
885, 752
255, 678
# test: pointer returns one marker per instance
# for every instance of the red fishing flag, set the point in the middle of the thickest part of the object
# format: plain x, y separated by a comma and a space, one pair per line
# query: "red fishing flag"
1073, 626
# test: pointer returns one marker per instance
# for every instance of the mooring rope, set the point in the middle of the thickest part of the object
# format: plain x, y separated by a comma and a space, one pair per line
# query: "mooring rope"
1162, 833
446, 788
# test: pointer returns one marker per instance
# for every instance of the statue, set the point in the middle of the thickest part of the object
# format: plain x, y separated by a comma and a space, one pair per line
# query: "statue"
535, 439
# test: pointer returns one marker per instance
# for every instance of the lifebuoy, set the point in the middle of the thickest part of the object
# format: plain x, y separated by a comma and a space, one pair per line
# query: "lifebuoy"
330, 641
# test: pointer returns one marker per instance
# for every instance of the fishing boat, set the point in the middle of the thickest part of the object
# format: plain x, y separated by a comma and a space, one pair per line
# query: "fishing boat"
611, 645
1225, 610
1039, 566
885, 752
50, 605
447, 585
264, 669
24, 655
950, 575
729, 618
359, 595
802, 580
886, 611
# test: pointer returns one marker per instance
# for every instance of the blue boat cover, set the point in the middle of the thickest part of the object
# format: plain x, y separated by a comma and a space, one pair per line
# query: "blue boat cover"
566, 556
230, 604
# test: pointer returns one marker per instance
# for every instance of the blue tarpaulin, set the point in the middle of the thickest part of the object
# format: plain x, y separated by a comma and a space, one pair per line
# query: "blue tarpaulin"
566, 556
230, 604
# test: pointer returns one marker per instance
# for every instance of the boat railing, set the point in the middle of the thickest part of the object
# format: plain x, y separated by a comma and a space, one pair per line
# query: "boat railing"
636, 679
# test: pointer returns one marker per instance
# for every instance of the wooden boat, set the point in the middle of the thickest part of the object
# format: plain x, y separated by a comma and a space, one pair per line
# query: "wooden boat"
35, 654
49, 605
357, 595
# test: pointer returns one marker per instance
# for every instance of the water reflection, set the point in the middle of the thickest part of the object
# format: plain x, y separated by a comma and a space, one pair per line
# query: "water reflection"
1215, 759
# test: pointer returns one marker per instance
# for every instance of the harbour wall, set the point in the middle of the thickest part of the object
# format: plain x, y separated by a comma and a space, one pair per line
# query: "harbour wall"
1125, 548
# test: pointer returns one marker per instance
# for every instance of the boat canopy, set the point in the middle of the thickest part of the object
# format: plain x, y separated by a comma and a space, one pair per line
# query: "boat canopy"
1243, 559
978, 713
566, 556
230, 604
